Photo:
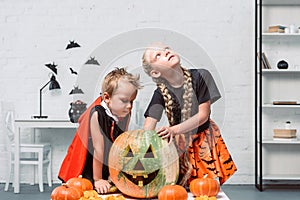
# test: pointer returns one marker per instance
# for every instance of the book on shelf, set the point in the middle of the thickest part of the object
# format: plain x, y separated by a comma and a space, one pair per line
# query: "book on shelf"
276, 29
264, 59
285, 103
263, 65
284, 133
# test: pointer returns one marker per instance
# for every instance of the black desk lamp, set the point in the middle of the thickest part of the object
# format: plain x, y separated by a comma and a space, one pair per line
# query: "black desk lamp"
53, 85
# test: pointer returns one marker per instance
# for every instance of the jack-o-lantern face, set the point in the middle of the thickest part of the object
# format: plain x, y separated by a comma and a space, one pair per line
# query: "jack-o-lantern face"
141, 163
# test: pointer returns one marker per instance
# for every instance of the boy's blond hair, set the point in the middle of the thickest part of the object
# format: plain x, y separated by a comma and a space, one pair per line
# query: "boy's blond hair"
110, 82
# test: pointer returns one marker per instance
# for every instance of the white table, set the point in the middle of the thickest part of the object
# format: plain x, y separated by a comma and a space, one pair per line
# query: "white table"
35, 124
220, 196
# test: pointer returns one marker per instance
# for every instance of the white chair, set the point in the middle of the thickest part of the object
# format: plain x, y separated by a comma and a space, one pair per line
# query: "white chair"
30, 154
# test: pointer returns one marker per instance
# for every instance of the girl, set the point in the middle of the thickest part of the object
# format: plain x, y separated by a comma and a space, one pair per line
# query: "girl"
88, 153
186, 96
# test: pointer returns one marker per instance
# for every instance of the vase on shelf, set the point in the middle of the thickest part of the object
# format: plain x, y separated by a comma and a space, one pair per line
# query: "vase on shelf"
282, 64
76, 109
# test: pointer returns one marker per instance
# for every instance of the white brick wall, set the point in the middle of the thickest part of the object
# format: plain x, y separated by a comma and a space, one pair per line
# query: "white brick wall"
35, 32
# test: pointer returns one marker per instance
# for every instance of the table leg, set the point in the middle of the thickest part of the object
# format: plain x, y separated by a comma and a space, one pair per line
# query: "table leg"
33, 154
17, 161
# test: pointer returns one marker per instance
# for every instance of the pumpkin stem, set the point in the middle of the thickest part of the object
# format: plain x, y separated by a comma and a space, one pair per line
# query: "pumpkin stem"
80, 176
205, 176
65, 184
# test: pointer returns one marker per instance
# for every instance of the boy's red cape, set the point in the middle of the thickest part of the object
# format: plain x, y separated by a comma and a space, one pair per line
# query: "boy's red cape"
73, 164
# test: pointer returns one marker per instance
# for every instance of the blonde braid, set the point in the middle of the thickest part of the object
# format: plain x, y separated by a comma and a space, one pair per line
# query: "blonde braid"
187, 96
168, 102
187, 105
185, 165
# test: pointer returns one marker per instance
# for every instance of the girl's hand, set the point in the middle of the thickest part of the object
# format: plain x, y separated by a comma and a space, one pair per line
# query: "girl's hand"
102, 186
166, 133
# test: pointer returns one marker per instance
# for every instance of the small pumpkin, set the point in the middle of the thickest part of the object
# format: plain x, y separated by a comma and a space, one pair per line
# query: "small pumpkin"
90, 193
141, 163
117, 197
65, 192
113, 189
82, 183
172, 192
204, 186
205, 197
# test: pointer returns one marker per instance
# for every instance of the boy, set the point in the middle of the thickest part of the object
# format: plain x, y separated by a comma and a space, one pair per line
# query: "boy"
88, 153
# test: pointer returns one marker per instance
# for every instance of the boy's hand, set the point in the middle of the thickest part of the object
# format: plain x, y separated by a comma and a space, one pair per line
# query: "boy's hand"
102, 186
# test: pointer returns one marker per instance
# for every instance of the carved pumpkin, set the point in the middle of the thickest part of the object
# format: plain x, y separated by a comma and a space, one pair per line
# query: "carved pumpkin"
204, 186
65, 192
173, 192
82, 183
141, 163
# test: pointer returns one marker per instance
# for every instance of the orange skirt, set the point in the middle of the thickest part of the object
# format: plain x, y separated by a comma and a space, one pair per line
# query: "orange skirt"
207, 154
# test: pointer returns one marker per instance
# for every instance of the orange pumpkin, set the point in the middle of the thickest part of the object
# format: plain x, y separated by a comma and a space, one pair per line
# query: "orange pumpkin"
64, 192
90, 193
172, 192
141, 163
82, 183
204, 186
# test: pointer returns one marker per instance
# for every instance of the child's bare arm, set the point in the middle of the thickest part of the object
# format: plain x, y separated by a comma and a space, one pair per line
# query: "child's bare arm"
102, 186
197, 120
150, 123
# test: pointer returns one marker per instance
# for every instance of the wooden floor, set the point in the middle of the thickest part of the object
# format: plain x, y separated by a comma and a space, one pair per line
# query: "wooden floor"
234, 192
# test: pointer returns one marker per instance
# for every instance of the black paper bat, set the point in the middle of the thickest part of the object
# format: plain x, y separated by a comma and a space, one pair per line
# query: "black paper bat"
52, 67
72, 44
73, 72
92, 61
76, 90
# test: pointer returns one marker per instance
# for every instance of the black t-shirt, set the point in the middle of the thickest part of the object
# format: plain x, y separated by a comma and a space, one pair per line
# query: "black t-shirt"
105, 123
204, 88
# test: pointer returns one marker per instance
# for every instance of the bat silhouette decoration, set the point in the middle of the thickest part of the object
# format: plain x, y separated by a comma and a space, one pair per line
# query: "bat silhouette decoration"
72, 44
76, 90
73, 72
209, 162
52, 67
92, 61
229, 168
228, 160
211, 168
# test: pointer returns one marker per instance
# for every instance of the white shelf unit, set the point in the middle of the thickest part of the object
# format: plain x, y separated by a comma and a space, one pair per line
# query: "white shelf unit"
282, 141
276, 159
279, 2
286, 177
267, 105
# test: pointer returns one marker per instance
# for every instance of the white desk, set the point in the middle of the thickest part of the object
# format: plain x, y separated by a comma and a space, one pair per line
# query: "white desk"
33, 123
